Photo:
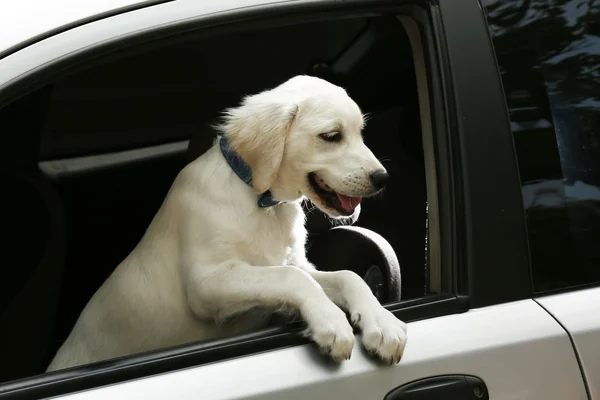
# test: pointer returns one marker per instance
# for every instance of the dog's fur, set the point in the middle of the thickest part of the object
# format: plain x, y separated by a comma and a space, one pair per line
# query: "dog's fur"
211, 253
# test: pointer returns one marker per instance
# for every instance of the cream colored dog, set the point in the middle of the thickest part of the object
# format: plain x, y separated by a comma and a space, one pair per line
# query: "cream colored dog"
229, 239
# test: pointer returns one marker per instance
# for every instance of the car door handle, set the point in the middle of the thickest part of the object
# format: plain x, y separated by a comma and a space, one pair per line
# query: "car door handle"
446, 387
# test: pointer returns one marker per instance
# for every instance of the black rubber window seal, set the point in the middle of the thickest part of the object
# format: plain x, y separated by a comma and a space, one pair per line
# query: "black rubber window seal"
97, 17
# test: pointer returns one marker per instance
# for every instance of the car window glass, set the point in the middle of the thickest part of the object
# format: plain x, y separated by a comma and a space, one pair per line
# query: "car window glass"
548, 54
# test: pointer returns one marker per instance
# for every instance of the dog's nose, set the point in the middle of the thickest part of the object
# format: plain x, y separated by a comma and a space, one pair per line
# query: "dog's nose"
379, 178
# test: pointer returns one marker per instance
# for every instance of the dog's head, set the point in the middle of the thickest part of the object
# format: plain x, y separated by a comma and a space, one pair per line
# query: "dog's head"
304, 139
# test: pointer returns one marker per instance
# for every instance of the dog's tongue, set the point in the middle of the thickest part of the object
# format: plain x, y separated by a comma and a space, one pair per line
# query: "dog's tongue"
349, 203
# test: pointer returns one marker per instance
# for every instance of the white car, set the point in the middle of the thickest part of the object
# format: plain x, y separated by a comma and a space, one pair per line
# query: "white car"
486, 115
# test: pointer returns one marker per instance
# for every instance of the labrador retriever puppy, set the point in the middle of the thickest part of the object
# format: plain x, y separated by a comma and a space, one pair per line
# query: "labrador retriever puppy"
229, 239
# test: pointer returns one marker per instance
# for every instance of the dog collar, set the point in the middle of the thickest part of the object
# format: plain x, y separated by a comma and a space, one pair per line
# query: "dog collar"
243, 171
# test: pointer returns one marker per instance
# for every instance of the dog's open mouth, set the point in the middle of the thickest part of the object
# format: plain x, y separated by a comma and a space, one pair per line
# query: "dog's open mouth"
343, 204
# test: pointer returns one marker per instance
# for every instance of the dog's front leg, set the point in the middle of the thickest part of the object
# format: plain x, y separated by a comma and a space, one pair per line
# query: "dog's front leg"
382, 333
230, 288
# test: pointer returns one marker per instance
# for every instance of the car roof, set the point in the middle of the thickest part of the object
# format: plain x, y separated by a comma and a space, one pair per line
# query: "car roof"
24, 20
34, 33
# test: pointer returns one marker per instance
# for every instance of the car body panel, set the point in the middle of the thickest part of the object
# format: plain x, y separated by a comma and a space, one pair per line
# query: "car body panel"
26, 19
579, 313
516, 360
42, 53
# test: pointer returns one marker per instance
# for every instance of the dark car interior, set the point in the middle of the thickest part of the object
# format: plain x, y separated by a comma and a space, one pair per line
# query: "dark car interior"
91, 156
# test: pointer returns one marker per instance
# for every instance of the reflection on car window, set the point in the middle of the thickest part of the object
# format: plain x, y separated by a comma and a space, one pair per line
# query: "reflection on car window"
549, 57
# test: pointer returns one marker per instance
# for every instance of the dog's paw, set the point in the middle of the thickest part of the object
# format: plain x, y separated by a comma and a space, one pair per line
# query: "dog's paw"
332, 332
383, 335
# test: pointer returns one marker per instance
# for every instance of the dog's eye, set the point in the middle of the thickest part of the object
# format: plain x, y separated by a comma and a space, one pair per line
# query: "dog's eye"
331, 136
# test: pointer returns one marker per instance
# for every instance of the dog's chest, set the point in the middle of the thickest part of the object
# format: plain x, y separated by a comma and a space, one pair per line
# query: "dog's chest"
268, 235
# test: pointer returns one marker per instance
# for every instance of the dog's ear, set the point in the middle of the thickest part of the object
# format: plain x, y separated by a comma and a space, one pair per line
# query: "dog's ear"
258, 131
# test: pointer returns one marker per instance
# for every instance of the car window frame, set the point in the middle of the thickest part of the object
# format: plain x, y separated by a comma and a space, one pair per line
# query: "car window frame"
74, 24
489, 230
465, 269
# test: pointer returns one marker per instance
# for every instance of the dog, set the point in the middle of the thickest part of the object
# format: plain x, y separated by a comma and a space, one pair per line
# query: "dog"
228, 242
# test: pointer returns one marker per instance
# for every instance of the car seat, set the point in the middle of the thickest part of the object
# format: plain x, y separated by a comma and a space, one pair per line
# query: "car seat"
33, 244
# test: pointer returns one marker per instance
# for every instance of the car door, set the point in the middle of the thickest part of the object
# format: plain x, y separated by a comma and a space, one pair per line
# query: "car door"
577, 311
552, 87
481, 335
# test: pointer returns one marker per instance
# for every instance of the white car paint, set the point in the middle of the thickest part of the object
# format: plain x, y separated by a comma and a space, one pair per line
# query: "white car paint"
86, 36
24, 19
579, 313
518, 349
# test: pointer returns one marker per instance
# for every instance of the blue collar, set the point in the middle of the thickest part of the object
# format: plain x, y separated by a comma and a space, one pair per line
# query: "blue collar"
242, 170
